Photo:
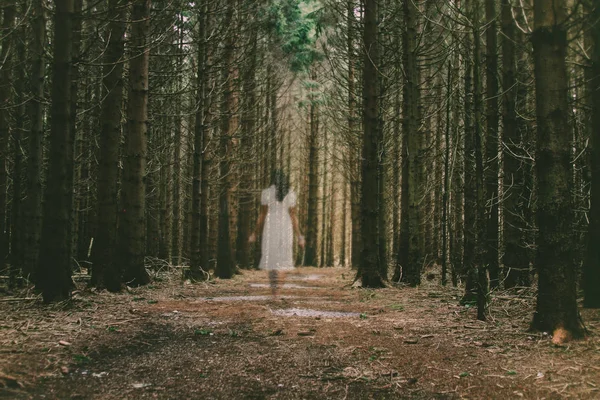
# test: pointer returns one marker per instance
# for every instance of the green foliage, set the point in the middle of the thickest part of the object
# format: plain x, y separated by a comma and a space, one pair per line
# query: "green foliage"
295, 30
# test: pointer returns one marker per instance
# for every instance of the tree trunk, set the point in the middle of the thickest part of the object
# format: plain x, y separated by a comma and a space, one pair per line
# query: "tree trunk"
491, 144
246, 197
33, 204
591, 271
355, 142
557, 297
106, 272
165, 245
372, 203
53, 276
199, 146
480, 225
409, 253
76, 136
16, 229
225, 263
324, 198
132, 218
310, 255
6, 55
515, 260
446, 190
468, 273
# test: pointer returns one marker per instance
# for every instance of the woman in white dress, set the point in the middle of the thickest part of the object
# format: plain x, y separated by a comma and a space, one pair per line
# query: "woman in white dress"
277, 222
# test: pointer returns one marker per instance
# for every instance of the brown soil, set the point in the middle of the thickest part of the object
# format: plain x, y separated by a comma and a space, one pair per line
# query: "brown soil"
173, 340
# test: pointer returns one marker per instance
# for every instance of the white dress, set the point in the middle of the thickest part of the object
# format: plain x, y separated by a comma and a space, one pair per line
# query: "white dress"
278, 235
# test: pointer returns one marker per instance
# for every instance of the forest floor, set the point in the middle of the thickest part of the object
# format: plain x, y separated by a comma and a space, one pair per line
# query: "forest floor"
322, 339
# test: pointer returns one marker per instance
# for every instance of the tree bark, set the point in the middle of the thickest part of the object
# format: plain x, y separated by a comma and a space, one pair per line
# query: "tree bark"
410, 252
310, 255
106, 272
591, 270
6, 55
225, 263
491, 144
468, 273
33, 203
200, 132
372, 267
557, 297
355, 141
480, 225
132, 216
53, 276
516, 261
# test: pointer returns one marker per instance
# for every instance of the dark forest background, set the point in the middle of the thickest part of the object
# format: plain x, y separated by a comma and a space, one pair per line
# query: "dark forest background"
456, 136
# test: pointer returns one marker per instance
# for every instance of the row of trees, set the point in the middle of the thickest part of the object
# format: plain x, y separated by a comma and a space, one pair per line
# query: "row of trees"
148, 132
496, 163
415, 132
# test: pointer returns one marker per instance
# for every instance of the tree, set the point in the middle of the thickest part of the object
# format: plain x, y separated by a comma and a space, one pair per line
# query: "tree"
33, 204
410, 252
310, 255
557, 297
491, 143
53, 276
105, 269
132, 215
225, 264
591, 272
515, 255
199, 148
6, 55
372, 271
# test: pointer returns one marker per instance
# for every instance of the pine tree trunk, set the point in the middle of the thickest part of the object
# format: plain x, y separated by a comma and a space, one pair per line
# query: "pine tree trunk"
457, 232
355, 142
6, 55
199, 147
557, 297
310, 257
176, 231
225, 263
105, 269
468, 273
480, 224
372, 203
397, 162
33, 203
16, 229
76, 137
329, 261
132, 216
344, 228
410, 251
515, 255
491, 143
53, 276
446, 191
246, 197
591, 271
324, 199
165, 245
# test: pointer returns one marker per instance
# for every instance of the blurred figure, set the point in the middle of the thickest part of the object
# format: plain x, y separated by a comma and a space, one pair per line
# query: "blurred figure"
277, 223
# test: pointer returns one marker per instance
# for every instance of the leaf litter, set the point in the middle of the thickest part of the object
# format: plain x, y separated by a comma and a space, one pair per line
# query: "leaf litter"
227, 339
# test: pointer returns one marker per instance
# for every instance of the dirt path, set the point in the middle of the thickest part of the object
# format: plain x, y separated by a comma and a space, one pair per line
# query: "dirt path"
322, 339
